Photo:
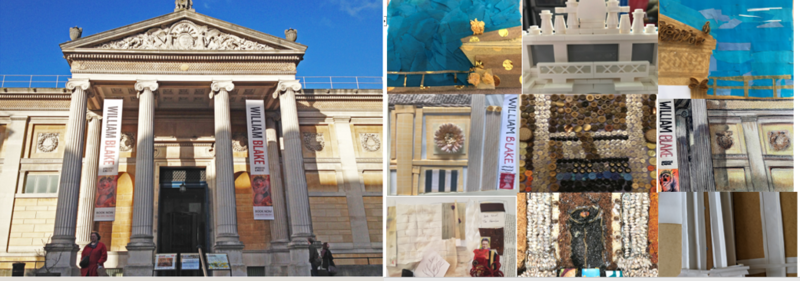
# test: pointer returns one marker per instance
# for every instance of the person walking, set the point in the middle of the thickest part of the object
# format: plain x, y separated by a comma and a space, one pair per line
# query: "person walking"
93, 256
327, 260
313, 257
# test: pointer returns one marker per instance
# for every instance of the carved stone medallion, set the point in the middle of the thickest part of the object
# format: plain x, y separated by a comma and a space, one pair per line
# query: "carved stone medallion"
370, 141
779, 140
126, 141
47, 142
725, 139
239, 141
449, 138
313, 141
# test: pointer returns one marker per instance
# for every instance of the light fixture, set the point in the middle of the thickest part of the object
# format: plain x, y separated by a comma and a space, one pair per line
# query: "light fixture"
182, 188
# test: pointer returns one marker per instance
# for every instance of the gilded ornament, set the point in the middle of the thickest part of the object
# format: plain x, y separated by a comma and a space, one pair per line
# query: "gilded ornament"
474, 79
779, 140
477, 27
487, 78
508, 65
503, 32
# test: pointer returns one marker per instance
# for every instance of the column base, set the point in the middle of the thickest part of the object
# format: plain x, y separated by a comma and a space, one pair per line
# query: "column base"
61, 259
298, 257
235, 259
140, 259
279, 259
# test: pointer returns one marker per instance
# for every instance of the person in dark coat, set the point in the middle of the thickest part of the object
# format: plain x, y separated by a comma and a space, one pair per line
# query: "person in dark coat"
97, 253
327, 258
313, 257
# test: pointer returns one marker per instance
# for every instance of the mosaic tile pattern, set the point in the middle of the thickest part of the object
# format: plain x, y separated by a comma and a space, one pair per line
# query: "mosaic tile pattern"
587, 143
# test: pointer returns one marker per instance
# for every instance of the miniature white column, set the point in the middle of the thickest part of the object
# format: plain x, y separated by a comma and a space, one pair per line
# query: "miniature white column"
650, 28
638, 21
62, 249
612, 9
547, 22
572, 17
141, 246
227, 233
625, 25
561, 27
535, 30
89, 180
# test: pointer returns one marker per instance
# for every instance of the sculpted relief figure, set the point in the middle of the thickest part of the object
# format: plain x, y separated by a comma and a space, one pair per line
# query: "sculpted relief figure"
184, 35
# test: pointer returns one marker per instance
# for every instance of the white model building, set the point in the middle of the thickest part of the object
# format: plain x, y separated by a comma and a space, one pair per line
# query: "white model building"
595, 51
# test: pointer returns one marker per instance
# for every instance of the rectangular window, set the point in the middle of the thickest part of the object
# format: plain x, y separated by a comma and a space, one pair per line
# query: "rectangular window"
256, 271
590, 53
643, 52
41, 183
541, 53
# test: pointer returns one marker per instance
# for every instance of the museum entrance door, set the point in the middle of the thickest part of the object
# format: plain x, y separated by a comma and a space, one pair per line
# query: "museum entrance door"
182, 216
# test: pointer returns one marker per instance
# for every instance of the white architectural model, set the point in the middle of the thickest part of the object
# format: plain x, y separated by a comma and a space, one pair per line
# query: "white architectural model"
593, 52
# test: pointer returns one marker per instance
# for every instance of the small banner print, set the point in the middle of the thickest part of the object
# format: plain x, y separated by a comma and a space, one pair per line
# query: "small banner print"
106, 194
259, 165
508, 144
667, 148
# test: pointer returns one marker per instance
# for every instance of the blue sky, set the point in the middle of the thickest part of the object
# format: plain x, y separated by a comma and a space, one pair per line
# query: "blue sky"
344, 37
754, 38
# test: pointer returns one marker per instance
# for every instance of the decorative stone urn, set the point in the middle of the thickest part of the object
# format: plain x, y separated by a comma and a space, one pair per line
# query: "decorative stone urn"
291, 34
75, 32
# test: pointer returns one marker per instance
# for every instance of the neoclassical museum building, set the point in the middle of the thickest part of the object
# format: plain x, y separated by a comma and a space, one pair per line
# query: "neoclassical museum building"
183, 171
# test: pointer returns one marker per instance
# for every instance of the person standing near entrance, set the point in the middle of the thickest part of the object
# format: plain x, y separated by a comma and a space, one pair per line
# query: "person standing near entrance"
327, 260
313, 257
93, 256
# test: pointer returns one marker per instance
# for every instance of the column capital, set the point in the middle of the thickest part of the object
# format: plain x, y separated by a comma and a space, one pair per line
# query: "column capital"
93, 115
82, 83
142, 85
341, 119
286, 85
217, 86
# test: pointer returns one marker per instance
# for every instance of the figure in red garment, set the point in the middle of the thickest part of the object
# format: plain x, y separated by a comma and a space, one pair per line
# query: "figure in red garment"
485, 262
106, 192
261, 191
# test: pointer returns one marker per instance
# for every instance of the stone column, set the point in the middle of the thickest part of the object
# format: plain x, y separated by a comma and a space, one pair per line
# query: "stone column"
89, 180
227, 234
702, 171
475, 159
352, 183
296, 188
279, 228
759, 174
62, 250
141, 246
682, 148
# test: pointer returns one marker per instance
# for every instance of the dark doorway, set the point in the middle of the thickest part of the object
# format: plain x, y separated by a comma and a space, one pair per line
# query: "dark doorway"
183, 215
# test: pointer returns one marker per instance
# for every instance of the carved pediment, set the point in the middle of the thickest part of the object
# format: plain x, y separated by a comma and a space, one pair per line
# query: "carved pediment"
184, 35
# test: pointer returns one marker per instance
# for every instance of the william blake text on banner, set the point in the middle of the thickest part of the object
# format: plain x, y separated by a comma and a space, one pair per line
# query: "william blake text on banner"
508, 144
106, 196
259, 167
667, 147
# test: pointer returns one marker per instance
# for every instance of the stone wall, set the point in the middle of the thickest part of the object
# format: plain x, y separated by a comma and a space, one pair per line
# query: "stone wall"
373, 207
331, 219
31, 224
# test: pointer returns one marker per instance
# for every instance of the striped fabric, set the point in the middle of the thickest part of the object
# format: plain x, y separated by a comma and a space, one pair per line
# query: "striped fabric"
440, 180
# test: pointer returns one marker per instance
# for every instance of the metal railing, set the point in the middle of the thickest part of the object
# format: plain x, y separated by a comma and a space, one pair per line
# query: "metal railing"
746, 87
423, 73
626, 71
309, 82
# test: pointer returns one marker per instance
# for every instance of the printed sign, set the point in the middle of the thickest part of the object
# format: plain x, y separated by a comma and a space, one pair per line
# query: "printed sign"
190, 261
165, 262
106, 195
667, 147
259, 165
218, 261
508, 144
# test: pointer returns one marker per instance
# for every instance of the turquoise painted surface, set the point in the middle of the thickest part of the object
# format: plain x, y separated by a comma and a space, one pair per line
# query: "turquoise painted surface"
425, 35
754, 38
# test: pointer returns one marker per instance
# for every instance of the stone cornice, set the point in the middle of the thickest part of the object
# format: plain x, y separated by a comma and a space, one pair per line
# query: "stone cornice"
183, 56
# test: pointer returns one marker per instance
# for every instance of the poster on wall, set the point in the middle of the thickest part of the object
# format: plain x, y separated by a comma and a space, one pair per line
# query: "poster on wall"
259, 165
667, 147
165, 262
508, 144
106, 194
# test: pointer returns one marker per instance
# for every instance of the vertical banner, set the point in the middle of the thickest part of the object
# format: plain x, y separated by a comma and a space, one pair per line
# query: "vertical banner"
105, 201
508, 144
667, 147
259, 167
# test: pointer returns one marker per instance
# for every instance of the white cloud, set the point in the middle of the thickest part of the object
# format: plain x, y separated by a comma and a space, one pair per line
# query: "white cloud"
354, 7
715, 14
770, 25
731, 24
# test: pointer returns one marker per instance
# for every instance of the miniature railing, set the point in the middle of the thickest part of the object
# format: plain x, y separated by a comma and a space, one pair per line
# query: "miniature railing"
423, 73
626, 71
309, 82
745, 80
